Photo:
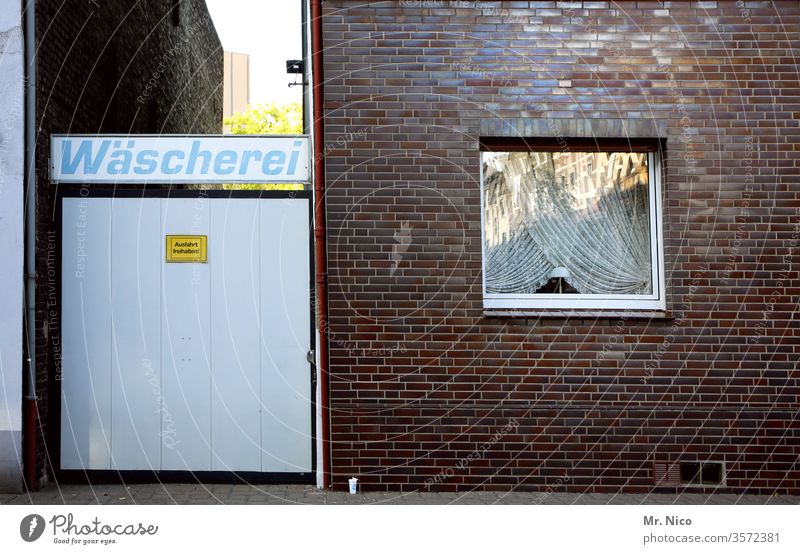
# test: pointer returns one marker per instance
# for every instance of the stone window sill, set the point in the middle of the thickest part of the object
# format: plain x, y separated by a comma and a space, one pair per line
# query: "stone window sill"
580, 314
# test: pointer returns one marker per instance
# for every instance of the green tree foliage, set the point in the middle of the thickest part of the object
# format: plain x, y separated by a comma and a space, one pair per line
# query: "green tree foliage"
267, 119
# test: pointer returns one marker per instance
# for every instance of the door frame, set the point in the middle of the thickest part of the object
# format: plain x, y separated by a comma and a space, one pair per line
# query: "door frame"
53, 435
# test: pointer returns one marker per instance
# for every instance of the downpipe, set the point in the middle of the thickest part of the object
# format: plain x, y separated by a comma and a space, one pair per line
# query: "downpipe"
30, 410
320, 231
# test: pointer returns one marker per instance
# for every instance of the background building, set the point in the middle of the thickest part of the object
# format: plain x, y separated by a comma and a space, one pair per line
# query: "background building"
236, 95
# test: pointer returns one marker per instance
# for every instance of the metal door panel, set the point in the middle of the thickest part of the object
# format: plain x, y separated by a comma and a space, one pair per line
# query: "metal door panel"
235, 323
186, 357
136, 334
285, 335
86, 334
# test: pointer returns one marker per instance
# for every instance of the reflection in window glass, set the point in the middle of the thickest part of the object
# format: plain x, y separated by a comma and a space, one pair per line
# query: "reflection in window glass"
582, 227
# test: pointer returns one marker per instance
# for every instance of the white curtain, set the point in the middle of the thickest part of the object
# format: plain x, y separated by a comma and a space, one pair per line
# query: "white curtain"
588, 213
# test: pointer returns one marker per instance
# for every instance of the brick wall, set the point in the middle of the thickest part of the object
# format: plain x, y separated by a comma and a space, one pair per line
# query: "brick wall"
426, 391
113, 67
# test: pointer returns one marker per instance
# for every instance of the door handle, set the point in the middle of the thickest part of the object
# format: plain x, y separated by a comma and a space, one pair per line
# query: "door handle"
312, 360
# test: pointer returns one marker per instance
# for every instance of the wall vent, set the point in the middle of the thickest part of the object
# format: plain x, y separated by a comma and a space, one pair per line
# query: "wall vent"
702, 473
672, 474
666, 474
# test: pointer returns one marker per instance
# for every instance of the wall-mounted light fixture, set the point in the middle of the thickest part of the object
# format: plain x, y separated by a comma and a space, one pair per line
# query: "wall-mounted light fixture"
296, 67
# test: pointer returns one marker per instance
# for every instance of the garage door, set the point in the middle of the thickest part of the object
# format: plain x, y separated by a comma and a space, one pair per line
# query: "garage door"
186, 328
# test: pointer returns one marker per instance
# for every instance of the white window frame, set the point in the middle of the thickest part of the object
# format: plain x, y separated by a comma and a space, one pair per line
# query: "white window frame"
549, 302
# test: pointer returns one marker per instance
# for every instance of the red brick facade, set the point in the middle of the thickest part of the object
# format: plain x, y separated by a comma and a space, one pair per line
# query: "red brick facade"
430, 392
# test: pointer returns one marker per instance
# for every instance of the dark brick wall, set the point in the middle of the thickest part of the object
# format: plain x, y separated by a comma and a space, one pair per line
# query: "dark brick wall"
113, 67
426, 391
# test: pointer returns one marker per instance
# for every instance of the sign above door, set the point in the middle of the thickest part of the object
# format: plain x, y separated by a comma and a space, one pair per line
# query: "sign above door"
180, 159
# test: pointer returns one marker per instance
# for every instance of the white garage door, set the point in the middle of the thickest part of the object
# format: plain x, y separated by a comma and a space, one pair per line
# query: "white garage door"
198, 363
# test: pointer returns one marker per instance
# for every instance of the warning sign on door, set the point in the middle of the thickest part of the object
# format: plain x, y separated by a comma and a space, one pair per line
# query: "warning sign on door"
187, 248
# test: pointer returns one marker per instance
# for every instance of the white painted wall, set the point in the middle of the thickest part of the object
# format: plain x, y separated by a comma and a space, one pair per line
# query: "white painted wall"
12, 155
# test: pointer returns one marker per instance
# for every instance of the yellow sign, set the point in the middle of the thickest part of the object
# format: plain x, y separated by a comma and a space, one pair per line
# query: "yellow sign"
187, 248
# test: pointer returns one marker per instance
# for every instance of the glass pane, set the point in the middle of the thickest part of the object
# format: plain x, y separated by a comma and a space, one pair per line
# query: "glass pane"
567, 223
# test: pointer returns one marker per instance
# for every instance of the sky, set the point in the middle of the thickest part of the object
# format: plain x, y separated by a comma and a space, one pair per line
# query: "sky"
270, 31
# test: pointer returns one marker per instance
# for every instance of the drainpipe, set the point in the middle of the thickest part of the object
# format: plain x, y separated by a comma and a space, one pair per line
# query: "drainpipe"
29, 379
320, 234
307, 115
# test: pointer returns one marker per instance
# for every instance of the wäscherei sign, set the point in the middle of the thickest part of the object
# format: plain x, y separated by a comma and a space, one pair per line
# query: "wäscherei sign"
180, 159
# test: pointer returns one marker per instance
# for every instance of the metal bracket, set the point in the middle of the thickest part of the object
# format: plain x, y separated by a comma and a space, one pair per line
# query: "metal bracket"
311, 357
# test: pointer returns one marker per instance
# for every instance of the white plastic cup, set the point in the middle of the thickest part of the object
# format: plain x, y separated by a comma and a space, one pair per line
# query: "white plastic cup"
353, 485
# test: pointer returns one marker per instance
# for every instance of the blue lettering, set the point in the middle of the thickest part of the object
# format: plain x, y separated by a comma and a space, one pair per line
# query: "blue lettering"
274, 158
83, 155
166, 169
197, 153
120, 157
246, 156
227, 157
146, 162
294, 157
120, 163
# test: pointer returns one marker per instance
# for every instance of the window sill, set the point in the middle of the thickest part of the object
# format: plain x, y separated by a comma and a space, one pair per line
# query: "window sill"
580, 314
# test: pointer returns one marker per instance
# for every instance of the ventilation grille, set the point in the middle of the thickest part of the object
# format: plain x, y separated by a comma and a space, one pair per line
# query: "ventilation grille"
669, 474
666, 474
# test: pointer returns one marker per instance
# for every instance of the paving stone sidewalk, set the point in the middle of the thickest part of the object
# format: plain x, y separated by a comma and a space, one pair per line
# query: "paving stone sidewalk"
185, 494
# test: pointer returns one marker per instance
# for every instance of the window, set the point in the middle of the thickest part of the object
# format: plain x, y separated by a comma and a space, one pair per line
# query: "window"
587, 234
